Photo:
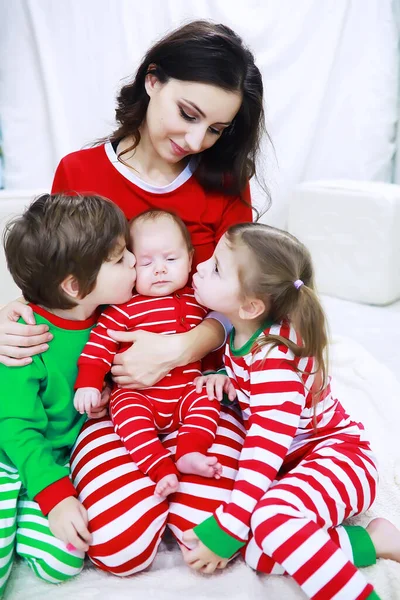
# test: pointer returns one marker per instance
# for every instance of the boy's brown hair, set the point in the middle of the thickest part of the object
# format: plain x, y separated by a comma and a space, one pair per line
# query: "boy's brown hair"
154, 214
58, 236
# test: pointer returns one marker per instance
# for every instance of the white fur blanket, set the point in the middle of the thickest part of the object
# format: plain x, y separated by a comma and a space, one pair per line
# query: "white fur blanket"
371, 393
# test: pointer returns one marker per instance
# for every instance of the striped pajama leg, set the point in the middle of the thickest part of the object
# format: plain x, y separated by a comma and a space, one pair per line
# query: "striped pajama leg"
134, 418
125, 518
10, 486
199, 417
295, 525
24, 527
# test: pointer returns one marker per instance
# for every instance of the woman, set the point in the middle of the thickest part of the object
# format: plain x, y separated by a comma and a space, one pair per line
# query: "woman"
188, 132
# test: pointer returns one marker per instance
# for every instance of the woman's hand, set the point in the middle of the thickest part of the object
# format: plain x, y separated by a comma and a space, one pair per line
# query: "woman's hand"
148, 360
18, 342
216, 385
201, 558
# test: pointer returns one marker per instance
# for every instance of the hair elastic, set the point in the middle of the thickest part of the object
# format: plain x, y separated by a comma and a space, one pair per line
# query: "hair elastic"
298, 283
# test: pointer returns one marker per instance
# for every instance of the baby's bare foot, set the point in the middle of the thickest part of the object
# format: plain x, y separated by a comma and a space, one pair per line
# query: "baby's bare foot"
196, 463
167, 485
386, 539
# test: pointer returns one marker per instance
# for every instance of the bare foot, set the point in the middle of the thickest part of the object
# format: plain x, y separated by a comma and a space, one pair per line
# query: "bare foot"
386, 538
196, 463
167, 485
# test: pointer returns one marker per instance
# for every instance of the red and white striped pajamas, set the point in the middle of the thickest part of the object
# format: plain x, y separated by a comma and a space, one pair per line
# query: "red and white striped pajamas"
126, 519
295, 483
320, 483
140, 416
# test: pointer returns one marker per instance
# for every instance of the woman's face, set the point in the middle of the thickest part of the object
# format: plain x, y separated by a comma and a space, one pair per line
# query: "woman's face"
185, 117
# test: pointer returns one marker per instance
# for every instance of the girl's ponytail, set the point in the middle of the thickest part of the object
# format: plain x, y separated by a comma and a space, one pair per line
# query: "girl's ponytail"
309, 320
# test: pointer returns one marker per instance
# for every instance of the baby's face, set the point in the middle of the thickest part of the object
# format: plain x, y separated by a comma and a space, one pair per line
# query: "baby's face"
163, 261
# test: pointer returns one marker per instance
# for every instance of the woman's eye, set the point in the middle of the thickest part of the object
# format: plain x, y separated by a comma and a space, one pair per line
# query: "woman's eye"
171, 259
215, 268
185, 115
215, 131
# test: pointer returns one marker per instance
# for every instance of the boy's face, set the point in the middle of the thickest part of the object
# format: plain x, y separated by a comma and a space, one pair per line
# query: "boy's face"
116, 278
163, 261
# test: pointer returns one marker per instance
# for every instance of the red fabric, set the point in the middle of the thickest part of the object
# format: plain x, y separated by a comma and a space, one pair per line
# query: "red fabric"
54, 493
206, 214
177, 313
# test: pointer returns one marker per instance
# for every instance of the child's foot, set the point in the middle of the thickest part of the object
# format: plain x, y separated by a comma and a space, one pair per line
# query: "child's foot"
167, 485
386, 539
196, 463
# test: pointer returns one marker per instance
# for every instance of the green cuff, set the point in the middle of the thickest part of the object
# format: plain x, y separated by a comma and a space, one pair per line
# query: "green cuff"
373, 596
364, 553
216, 539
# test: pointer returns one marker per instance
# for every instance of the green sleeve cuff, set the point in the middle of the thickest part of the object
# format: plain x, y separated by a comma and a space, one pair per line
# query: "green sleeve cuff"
364, 553
216, 539
373, 596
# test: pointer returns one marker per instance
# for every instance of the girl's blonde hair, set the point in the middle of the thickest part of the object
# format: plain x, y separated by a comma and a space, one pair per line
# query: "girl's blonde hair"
278, 261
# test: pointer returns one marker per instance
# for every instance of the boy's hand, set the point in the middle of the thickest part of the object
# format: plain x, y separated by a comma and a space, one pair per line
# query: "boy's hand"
216, 384
102, 409
86, 399
68, 522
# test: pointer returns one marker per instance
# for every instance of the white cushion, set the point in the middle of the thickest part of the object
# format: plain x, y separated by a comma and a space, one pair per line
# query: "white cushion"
352, 229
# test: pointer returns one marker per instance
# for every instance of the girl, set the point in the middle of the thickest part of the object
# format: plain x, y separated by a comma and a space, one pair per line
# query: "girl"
305, 464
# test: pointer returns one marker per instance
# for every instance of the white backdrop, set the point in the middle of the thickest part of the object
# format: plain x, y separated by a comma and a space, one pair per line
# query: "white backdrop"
330, 71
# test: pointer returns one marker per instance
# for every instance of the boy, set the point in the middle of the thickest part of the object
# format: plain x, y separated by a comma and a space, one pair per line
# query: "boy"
163, 304
68, 255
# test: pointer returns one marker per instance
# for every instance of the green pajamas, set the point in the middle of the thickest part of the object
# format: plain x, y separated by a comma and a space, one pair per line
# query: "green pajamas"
25, 529
38, 428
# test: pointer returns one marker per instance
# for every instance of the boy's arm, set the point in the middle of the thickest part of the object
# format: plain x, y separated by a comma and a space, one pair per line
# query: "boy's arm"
23, 425
98, 354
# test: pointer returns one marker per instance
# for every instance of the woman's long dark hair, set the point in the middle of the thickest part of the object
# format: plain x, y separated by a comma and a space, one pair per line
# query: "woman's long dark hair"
204, 52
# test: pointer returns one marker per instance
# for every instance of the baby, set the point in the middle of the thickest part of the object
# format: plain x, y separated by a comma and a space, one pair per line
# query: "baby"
163, 304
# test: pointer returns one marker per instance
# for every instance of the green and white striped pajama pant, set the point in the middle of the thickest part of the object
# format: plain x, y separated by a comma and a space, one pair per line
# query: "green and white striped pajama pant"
24, 529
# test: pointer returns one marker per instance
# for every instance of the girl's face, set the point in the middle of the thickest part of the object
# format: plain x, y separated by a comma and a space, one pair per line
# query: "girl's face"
185, 117
216, 283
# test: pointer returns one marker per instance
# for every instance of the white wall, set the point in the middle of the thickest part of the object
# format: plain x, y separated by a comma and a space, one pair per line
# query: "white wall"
330, 71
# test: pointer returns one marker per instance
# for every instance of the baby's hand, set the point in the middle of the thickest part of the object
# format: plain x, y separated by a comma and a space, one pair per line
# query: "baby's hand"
216, 384
86, 399
102, 409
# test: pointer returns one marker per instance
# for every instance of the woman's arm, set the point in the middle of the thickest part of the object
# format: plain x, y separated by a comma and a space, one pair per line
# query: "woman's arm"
152, 355
18, 342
